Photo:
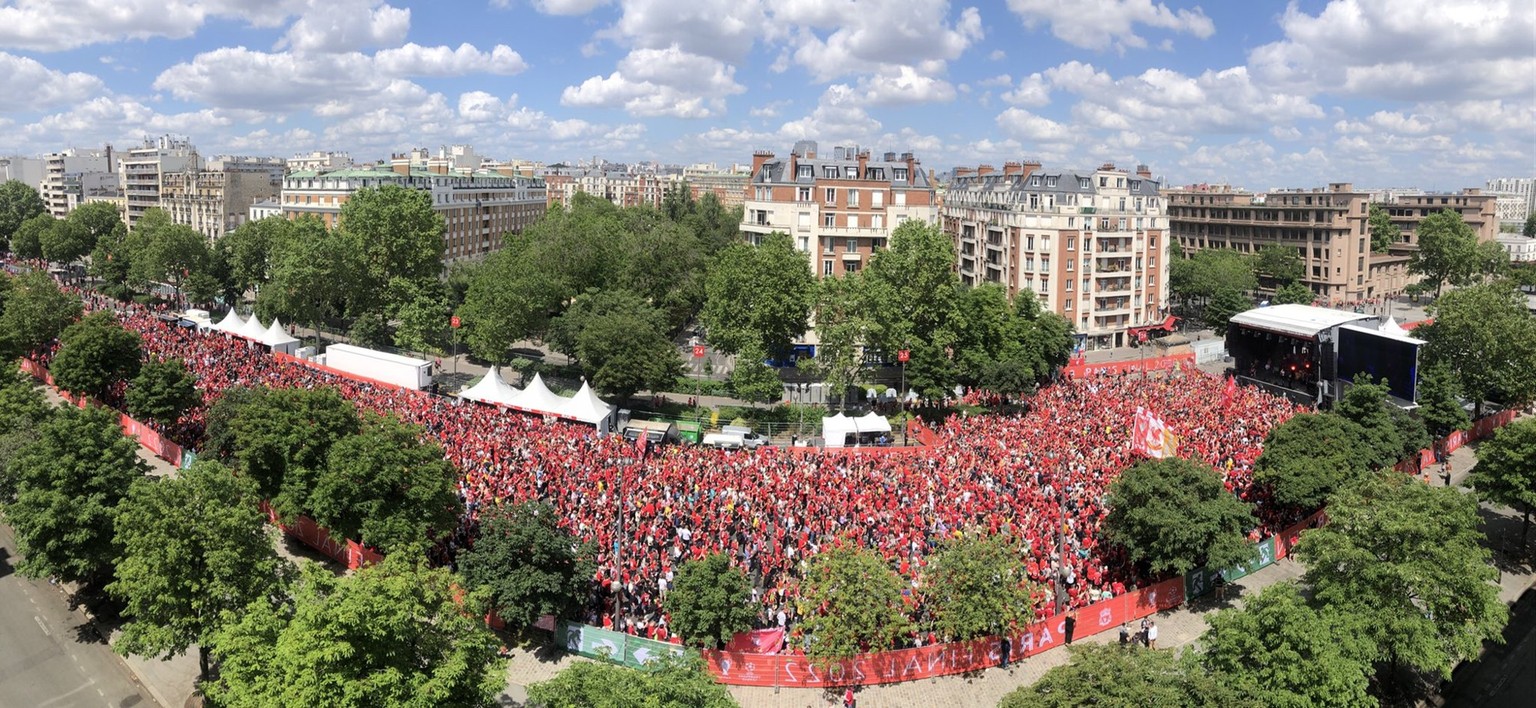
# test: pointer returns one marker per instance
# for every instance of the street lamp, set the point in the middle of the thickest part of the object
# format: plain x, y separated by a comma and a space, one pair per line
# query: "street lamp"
805, 390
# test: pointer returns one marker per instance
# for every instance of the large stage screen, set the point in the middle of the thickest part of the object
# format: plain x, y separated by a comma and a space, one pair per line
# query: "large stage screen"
1380, 356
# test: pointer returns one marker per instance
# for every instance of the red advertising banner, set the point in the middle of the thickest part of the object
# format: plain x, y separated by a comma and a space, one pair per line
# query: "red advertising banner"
1080, 367
757, 641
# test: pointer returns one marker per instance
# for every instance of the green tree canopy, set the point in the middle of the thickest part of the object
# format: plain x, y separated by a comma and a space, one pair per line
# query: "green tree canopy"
1309, 456
912, 287
26, 240
1365, 404
856, 603
681, 682
530, 566
1293, 294
976, 586
282, 439
95, 354
22, 409
1486, 335
66, 242
247, 254
1439, 407
710, 602
1529, 230
161, 251
1288, 653
1383, 232
35, 313
100, 220
195, 553
1447, 251
508, 299
385, 488
395, 635
1113, 677
760, 294
422, 317
753, 380
19, 201
620, 343
1223, 305
1210, 271
163, 391
70, 479
843, 326
1506, 470
314, 275
1175, 515
1280, 263
1407, 559
395, 234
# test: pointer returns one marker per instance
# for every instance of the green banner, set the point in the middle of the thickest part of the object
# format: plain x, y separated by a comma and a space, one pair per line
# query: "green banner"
187, 458
638, 652
608, 645
1200, 581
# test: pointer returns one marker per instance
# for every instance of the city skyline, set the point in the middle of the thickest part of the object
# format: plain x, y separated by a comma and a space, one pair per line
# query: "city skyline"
1377, 92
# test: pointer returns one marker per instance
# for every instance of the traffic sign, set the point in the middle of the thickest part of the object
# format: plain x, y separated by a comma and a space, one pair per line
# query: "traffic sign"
903, 355
698, 351
453, 321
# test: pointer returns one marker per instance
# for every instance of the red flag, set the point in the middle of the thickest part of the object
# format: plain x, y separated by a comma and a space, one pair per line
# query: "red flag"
1229, 391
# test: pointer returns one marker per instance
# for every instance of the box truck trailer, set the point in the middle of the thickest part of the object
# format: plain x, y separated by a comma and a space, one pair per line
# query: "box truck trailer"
389, 368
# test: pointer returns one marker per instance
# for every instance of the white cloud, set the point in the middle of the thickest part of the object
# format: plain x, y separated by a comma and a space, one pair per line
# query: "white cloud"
898, 87
347, 25
1163, 99
1404, 49
1024, 125
999, 80
861, 39
28, 85
560, 7
1033, 91
52, 25
720, 29
1098, 24
660, 82
416, 60
997, 55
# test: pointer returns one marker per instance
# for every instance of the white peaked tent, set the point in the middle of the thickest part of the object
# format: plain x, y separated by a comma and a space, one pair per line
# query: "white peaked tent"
835, 430
872, 422
279, 339
537, 398
490, 389
586, 407
231, 323
1391, 327
252, 329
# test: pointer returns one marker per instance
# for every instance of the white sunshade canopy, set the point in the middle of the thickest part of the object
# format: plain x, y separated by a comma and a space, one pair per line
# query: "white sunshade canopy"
231, 323
585, 406
490, 389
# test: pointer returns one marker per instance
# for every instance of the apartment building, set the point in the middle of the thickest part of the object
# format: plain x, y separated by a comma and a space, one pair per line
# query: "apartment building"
217, 199
319, 161
1328, 228
144, 168
478, 208
71, 175
1516, 198
1478, 209
729, 186
1091, 245
838, 209
27, 170
624, 189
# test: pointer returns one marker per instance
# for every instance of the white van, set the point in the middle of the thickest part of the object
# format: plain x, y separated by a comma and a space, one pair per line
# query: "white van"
748, 438
724, 441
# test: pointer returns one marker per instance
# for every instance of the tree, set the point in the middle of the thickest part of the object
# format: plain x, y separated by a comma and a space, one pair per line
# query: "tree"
396, 234
976, 586
163, 391
282, 439
1490, 261
857, 603
70, 479
753, 380
195, 554
665, 265
100, 220
1309, 456
1288, 653
912, 287
1175, 515
843, 327
1383, 232
1447, 250
22, 409
26, 240
759, 294
1208, 272
247, 253
1281, 264
66, 242
530, 566
509, 299
1485, 334
1293, 294
621, 344
1407, 559
423, 318
165, 252
1223, 305
35, 313
1365, 404
395, 634
678, 681
1529, 230
313, 275
385, 488
94, 355
1113, 677
710, 602
1506, 470
1439, 407
19, 201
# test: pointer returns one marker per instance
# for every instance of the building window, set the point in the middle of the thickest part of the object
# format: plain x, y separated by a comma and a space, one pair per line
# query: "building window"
1050, 181
1103, 182
1069, 285
829, 172
1045, 285
851, 172
850, 266
826, 268
1029, 243
876, 221
899, 174
852, 245
1045, 263
1072, 243
829, 221
803, 194
853, 197
1068, 304
877, 199
831, 196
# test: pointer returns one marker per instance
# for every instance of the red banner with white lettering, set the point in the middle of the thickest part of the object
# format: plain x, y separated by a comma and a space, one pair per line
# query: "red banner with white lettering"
757, 641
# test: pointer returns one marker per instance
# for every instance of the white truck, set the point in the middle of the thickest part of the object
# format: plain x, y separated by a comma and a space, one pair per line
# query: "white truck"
402, 371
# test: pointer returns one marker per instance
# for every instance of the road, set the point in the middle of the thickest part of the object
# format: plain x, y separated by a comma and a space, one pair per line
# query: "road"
46, 661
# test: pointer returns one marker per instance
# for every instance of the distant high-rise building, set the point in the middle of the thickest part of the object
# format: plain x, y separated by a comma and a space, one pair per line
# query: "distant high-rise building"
1092, 245
729, 186
837, 209
217, 199
1478, 209
27, 170
1516, 198
144, 168
72, 175
319, 161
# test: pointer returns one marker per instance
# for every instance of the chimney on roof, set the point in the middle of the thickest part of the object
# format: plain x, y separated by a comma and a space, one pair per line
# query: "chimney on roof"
984, 170
1107, 167
962, 172
890, 157
1143, 172
400, 164
758, 158
1012, 168
863, 156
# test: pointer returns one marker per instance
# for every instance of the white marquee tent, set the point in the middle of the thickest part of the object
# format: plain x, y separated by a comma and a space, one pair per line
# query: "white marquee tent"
836, 429
490, 389
278, 338
586, 407
231, 323
537, 397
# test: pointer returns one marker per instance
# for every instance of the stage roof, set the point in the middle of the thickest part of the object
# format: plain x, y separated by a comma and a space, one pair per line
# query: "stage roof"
1296, 320
1399, 336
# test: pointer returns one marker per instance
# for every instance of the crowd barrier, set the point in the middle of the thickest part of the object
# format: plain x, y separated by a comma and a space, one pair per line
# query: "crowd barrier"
148, 438
350, 553
1082, 368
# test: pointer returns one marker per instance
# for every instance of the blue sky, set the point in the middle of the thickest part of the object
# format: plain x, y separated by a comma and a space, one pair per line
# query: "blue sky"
1431, 93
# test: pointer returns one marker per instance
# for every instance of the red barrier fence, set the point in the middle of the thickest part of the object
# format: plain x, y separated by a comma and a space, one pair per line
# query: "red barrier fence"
347, 552
149, 438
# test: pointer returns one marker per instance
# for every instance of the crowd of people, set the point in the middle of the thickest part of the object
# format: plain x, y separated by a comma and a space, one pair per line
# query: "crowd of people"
1040, 475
